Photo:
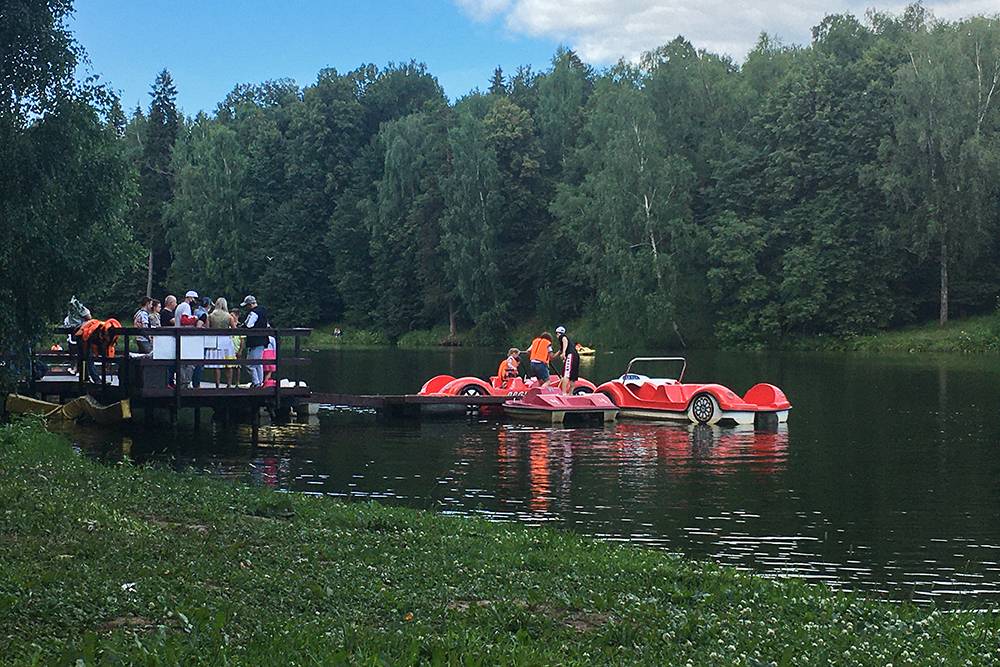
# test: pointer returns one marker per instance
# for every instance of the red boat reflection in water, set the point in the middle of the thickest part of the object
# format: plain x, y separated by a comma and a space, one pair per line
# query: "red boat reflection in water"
538, 472
717, 450
535, 466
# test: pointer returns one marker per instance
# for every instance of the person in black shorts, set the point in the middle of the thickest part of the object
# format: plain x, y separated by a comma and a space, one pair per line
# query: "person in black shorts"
571, 361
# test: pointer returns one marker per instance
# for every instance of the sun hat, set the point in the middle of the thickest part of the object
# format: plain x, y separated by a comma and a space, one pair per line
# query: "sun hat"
560, 330
249, 300
191, 294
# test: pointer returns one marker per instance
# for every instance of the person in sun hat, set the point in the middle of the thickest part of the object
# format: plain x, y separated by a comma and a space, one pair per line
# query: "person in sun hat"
256, 318
571, 360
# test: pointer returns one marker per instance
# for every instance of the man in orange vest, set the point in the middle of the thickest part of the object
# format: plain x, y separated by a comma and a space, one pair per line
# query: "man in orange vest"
540, 353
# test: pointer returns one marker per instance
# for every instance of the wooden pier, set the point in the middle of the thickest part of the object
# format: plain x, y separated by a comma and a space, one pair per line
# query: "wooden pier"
149, 381
145, 380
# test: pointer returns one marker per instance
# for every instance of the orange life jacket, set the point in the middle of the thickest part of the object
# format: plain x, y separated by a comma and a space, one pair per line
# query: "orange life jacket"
87, 329
109, 338
504, 372
540, 350
98, 334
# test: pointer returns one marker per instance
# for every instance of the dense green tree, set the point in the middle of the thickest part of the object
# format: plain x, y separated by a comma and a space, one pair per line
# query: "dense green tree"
213, 239
943, 157
156, 179
632, 210
406, 226
64, 184
471, 222
833, 188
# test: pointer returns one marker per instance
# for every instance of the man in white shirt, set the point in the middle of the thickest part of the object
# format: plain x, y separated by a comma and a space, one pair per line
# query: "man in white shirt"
184, 308
184, 311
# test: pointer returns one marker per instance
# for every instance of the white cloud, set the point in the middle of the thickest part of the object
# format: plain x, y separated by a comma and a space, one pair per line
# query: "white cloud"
602, 31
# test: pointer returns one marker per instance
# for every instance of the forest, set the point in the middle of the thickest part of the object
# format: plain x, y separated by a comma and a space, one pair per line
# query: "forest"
830, 189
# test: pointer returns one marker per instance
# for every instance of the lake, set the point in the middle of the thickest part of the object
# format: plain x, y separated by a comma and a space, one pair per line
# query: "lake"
885, 480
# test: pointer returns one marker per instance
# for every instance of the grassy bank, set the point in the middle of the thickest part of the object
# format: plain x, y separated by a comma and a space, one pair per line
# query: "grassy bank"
322, 338
125, 565
967, 335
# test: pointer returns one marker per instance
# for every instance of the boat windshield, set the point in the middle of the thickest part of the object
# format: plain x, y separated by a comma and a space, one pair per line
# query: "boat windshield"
665, 368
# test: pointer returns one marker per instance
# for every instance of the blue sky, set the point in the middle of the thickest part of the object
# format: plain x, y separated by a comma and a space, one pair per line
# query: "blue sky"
211, 45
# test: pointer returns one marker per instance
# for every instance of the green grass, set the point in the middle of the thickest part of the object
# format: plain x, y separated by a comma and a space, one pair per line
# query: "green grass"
125, 565
322, 338
436, 337
968, 335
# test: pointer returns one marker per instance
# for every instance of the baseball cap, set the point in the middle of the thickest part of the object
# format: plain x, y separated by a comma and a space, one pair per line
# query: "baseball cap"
560, 330
191, 294
249, 300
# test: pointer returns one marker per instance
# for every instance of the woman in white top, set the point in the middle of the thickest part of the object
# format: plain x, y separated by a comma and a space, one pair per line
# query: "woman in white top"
219, 319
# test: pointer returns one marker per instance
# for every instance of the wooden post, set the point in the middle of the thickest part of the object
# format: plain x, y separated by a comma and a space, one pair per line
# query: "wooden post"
197, 418
177, 368
124, 368
254, 424
298, 353
277, 368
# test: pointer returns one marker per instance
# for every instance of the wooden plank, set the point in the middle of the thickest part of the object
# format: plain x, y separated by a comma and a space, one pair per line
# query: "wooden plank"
143, 361
379, 401
225, 392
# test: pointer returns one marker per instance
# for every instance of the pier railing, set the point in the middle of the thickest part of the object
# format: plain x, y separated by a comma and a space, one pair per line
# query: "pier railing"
130, 373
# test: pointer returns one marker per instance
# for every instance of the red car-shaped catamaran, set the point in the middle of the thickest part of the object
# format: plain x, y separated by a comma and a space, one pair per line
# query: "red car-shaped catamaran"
643, 397
449, 385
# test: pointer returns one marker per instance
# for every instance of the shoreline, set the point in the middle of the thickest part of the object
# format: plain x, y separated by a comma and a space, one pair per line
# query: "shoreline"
143, 564
971, 335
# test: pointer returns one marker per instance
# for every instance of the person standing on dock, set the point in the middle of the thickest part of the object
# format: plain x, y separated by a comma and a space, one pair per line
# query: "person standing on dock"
154, 314
256, 318
220, 318
167, 314
141, 321
183, 317
539, 354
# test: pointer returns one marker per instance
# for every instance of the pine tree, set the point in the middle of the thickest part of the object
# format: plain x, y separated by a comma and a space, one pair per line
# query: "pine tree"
497, 84
156, 178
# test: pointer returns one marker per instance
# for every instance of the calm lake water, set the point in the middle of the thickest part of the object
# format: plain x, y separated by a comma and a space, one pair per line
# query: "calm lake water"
886, 478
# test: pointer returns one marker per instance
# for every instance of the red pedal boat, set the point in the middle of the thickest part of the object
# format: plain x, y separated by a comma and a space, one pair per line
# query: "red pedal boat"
449, 385
643, 397
552, 406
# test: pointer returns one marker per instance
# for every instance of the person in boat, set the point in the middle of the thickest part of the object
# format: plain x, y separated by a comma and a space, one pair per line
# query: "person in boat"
539, 354
571, 361
509, 368
140, 320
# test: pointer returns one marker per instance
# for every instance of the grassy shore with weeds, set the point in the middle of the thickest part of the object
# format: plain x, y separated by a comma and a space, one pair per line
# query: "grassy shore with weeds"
126, 565
968, 335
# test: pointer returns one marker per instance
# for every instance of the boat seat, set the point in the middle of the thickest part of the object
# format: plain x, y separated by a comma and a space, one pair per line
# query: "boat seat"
647, 392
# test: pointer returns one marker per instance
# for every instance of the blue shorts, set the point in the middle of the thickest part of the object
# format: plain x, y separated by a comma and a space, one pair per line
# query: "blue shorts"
540, 370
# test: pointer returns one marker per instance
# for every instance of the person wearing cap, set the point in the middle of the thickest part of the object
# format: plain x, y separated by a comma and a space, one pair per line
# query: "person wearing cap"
571, 361
256, 318
183, 314
183, 317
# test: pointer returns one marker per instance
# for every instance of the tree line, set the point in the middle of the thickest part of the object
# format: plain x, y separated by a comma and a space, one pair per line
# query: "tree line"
829, 189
